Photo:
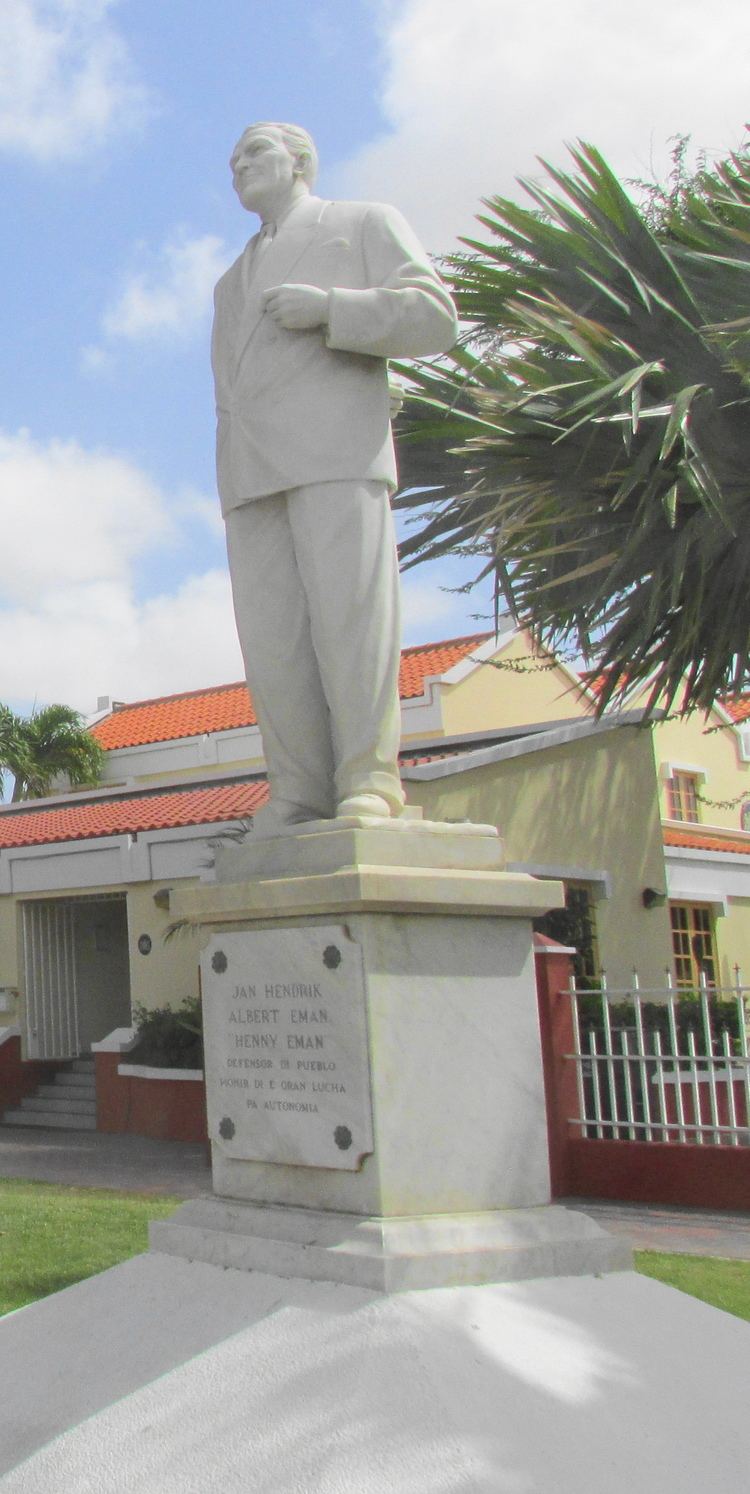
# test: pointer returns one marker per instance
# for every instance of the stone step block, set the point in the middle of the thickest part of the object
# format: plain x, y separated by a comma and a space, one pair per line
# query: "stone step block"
59, 1103
67, 1091
49, 1119
75, 1080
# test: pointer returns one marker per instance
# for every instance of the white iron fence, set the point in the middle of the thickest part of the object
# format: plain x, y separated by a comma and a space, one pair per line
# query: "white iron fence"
662, 1065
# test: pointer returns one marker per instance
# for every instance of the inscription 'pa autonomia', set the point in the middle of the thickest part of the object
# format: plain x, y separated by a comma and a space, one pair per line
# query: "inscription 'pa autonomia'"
287, 1069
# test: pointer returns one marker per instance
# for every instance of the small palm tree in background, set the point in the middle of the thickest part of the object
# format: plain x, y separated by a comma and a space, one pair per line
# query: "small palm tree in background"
40, 748
589, 439
11, 746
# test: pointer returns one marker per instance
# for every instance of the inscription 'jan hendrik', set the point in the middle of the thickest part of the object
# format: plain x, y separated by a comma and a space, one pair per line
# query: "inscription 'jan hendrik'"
275, 991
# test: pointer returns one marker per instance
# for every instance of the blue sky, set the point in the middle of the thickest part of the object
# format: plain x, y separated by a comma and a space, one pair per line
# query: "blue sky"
117, 118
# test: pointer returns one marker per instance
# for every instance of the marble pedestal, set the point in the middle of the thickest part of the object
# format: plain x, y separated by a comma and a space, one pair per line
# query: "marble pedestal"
373, 1064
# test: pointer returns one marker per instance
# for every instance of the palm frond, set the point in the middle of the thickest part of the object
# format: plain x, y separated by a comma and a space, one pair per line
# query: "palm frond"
590, 438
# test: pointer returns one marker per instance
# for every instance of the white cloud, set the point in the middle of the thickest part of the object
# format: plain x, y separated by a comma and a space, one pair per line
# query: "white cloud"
171, 294
76, 525
192, 631
66, 80
69, 515
473, 93
81, 642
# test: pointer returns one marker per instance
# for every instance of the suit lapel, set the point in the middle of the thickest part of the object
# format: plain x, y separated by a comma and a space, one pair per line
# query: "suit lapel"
279, 261
246, 267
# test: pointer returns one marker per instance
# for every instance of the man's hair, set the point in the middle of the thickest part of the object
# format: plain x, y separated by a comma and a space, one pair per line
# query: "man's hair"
298, 142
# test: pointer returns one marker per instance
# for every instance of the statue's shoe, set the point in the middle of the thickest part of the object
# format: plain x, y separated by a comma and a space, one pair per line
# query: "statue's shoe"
364, 804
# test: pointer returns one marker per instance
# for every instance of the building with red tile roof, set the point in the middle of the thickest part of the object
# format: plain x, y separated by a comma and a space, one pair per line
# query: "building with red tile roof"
190, 714
491, 730
451, 689
35, 825
228, 707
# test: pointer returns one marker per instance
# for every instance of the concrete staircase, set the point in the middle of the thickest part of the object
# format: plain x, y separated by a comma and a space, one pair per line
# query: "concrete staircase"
68, 1102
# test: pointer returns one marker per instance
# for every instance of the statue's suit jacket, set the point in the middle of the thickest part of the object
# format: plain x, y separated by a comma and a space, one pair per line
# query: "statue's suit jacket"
306, 407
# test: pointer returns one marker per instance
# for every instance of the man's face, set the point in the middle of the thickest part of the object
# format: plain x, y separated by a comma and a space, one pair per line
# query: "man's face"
262, 170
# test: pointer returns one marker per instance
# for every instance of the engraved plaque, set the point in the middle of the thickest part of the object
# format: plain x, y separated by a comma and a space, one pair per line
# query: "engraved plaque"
287, 1068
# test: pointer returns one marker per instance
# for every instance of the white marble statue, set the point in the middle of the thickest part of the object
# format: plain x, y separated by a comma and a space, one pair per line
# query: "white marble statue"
305, 320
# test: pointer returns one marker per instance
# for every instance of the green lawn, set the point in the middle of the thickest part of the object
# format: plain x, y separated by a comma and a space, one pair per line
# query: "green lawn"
51, 1237
724, 1284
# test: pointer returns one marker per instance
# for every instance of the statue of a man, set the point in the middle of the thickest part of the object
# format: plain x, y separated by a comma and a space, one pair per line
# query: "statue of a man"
305, 320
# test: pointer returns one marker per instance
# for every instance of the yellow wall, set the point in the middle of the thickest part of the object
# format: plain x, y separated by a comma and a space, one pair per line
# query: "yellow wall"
693, 741
9, 958
733, 941
9, 951
590, 804
499, 697
170, 972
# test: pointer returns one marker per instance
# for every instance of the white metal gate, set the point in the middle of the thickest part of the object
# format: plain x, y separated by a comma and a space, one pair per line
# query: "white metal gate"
664, 1065
49, 957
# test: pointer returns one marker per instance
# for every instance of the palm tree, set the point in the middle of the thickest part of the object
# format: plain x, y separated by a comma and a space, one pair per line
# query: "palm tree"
11, 746
51, 743
590, 436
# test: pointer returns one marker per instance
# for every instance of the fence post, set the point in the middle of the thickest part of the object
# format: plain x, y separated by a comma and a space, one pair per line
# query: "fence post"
554, 967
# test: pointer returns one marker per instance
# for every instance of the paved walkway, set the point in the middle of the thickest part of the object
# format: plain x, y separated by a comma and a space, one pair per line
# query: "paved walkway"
676, 1231
92, 1159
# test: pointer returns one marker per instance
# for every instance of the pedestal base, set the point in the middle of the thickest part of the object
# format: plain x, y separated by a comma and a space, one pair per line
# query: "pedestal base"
373, 1064
391, 1255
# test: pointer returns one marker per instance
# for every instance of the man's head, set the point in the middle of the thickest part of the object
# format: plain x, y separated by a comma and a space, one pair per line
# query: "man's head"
271, 165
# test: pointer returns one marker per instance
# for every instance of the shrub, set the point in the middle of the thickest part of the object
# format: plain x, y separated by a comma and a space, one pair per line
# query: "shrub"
655, 1016
169, 1038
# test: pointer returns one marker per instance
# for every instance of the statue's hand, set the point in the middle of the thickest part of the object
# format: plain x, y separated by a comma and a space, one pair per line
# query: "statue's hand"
297, 307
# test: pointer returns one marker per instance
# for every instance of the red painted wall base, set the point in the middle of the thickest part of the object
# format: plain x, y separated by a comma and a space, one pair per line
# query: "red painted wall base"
19, 1078
163, 1109
705, 1177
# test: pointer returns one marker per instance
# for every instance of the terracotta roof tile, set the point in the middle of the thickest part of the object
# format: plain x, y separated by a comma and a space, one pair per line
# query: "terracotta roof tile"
224, 707
162, 811
417, 664
189, 715
417, 759
694, 839
738, 708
